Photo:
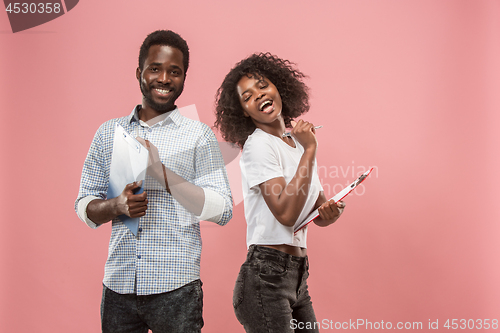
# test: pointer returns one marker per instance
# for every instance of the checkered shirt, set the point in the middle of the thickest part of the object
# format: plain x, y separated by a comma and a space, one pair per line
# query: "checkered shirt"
165, 255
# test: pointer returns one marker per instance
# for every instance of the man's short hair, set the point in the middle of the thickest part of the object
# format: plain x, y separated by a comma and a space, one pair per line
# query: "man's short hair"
168, 38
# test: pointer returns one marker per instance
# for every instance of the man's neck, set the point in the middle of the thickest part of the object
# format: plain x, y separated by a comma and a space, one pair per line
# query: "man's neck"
151, 116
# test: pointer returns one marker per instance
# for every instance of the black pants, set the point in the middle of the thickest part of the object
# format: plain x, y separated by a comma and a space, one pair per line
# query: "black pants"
271, 293
179, 310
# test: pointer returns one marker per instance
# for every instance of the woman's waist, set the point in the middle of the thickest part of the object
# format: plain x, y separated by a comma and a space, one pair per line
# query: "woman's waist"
297, 255
295, 251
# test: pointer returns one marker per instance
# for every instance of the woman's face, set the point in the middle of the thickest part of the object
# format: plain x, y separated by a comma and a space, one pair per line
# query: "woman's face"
260, 99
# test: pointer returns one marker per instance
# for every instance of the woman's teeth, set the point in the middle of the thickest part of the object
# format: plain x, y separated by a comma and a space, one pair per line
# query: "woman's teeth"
266, 107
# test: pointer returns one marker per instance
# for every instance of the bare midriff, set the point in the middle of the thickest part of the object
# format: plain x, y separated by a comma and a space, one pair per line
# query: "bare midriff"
289, 249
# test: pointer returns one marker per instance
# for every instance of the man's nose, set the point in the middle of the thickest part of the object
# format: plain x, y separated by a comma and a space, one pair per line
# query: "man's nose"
163, 77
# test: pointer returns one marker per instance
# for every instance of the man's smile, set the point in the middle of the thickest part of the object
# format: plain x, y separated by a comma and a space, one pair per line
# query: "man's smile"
164, 92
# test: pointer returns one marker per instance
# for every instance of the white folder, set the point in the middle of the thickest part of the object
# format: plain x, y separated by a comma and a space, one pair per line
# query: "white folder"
129, 163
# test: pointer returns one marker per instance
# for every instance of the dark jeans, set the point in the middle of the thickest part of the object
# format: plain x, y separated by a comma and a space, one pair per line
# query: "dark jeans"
271, 293
179, 310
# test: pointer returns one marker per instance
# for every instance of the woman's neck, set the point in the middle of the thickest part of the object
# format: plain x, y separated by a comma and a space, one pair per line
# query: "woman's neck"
276, 128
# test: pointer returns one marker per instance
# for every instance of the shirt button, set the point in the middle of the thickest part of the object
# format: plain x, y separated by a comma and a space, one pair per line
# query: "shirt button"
139, 256
140, 229
150, 130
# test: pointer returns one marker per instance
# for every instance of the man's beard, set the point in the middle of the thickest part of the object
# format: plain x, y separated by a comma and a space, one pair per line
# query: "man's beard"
160, 107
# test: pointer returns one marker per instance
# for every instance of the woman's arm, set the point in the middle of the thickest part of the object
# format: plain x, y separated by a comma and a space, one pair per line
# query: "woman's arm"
286, 201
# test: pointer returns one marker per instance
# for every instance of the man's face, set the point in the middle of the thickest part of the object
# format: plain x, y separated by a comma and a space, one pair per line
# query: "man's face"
161, 78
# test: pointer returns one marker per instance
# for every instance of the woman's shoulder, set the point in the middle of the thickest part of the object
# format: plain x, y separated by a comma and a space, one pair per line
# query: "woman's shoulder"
257, 140
259, 146
259, 136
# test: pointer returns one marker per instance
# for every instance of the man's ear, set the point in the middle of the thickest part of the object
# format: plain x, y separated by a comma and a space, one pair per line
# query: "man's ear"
138, 74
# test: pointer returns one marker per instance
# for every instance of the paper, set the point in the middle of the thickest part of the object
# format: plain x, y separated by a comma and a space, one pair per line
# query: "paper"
129, 163
339, 196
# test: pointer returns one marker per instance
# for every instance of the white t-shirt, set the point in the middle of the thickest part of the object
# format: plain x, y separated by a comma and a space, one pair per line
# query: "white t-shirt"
265, 157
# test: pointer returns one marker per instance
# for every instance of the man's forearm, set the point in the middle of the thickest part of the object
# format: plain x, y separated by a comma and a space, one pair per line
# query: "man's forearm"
190, 196
101, 211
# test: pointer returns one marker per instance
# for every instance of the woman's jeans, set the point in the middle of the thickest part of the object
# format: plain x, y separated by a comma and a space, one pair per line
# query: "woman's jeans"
271, 294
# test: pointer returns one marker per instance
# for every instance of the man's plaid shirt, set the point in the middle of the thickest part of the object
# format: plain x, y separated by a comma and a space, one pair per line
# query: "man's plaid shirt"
165, 255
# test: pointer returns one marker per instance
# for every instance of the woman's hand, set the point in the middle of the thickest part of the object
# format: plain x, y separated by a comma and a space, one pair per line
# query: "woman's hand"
331, 210
304, 132
328, 210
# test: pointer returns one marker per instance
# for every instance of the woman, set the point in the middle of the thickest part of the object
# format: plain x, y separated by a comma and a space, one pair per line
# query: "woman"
257, 101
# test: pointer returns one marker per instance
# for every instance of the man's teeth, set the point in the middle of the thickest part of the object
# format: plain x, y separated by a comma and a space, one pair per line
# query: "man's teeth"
162, 91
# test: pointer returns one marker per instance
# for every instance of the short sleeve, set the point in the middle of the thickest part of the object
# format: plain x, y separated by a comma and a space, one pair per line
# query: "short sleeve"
261, 160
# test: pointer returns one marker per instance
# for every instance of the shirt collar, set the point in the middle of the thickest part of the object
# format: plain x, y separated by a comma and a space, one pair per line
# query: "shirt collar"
173, 116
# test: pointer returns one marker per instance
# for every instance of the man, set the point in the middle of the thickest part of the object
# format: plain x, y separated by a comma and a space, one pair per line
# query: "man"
152, 280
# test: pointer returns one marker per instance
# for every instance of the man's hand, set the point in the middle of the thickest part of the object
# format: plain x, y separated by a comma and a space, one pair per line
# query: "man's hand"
127, 203
155, 167
188, 195
130, 204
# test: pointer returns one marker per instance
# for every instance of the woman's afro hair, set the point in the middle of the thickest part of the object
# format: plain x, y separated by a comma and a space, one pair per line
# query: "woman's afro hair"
231, 121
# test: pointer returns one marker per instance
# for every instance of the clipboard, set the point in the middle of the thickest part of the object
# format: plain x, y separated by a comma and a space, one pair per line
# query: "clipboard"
339, 196
129, 163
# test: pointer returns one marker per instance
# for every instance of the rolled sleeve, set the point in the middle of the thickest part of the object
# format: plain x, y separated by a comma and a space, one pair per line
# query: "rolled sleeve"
95, 173
82, 210
213, 208
212, 177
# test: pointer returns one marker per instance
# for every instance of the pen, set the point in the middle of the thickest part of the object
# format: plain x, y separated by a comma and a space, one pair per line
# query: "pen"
288, 134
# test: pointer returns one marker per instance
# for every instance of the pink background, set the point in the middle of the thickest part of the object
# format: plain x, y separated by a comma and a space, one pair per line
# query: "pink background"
409, 87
